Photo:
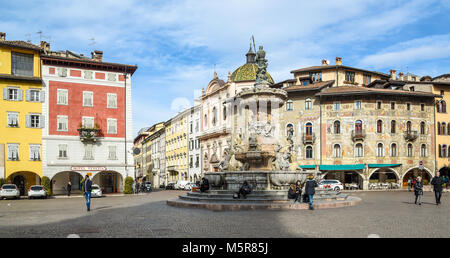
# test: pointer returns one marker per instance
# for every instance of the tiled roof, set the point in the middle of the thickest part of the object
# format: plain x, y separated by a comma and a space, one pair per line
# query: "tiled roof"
313, 86
20, 44
247, 72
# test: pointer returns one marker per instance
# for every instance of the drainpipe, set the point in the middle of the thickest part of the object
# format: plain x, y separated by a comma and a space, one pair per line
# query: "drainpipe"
125, 108
435, 136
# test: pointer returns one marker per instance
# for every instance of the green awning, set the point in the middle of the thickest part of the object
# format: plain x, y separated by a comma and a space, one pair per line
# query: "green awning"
342, 167
383, 165
307, 166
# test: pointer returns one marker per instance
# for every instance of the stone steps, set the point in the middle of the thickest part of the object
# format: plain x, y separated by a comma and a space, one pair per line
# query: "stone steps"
254, 197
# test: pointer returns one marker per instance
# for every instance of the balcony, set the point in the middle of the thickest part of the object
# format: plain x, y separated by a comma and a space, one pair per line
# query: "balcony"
309, 138
358, 135
89, 134
411, 136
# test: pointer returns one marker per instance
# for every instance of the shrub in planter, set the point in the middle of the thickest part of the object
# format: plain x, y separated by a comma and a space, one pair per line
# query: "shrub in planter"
46, 183
128, 185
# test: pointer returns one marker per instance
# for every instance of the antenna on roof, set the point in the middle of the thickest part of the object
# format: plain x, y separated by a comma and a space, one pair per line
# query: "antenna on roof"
28, 36
40, 35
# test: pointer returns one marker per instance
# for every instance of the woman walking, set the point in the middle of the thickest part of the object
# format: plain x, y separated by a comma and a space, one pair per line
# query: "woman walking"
418, 190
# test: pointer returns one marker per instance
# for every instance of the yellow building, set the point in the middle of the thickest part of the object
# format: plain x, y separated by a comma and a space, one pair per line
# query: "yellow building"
177, 147
21, 119
149, 151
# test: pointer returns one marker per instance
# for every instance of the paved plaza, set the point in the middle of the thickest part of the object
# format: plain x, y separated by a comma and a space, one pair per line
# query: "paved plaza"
386, 214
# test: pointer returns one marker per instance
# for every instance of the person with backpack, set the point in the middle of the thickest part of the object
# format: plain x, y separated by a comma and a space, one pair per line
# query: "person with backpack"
437, 187
310, 189
418, 190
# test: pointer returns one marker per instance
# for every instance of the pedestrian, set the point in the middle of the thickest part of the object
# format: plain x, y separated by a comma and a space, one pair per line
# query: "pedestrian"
418, 190
69, 188
133, 187
204, 186
299, 190
409, 184
310, 189
245, 189
437, 187
86, 187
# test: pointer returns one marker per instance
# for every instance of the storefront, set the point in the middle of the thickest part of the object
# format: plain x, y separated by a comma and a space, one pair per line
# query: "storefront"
349, 175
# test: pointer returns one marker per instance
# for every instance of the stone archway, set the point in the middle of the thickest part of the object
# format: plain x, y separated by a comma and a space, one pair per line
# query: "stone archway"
384, 175
345, 177
414, 172
109, 181
24, 180
60, 180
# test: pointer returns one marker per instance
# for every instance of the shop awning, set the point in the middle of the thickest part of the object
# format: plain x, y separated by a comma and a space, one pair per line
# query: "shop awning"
342, 167
307, 166
383, 165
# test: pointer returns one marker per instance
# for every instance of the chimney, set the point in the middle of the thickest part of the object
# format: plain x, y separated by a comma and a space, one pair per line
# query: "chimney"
45, 46
393, 74
324, 62
2, 36
97, 55
338, 61
401, 77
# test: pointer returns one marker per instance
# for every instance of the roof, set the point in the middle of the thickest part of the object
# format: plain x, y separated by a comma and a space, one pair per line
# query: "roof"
440, 76
313, 86
247, 72
327, 67
20, 78
357, 90
20, 44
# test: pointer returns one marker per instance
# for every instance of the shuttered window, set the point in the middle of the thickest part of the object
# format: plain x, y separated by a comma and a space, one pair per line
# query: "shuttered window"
12, 94
13, 151
112, 126
62, 97
34, 121
112, 100
13, 119
35, 152
88, 99
63, 122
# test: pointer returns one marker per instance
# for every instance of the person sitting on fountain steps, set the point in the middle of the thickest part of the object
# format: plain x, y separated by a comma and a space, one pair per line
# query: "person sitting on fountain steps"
245, 189
204, 186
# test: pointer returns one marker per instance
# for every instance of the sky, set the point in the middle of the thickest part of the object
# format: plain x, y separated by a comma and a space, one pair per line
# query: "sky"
177, 45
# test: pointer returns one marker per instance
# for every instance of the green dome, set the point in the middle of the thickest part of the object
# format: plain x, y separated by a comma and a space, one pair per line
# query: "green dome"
247, 72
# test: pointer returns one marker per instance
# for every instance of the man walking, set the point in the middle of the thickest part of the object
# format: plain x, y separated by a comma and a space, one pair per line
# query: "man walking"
409, 184
69, 188
437, 185
86, 187
310, 189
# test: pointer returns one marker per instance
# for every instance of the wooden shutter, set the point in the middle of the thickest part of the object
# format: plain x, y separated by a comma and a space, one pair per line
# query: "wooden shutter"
27, 121
41, 121
27, 95
42, 96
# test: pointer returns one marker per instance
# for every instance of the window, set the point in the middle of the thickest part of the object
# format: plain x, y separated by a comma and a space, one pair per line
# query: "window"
440, 151
308, 129
88, 122
196, 125
112, 100
411, 88
88, 152
13, 151
393, 124
350, 77
316, 77
12, 119
394, 150
214, 119
380, 151
206, 120
438, 107
62, 151
35, 152
112, 152
88, 99
289, 105
34, 121
62, 97
392, 105
21, 64
423, 150
422, 128
191, 161
12, 94
359, 150
63, 122
422, 107
439, 128
197, 161
443, 128
378, 104
408, 126
224, 113
337, 127
366, 79
443, 107
337, 105
379, 126
191, 128
308, 104
337, 151
358, 126
309, 152
34, 95
448, 128
289, 128
408, 106
358, 104
409, 151
444, 151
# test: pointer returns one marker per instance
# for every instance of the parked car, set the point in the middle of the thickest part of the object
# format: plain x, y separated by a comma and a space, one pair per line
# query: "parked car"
96, 191
331, 183
180, 184
37, 191
188, 186
9, 191
162, 186
170, 186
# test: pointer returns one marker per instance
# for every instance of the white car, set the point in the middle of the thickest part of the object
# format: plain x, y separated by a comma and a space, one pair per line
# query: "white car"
179, 185
331, 183
96, 191
189, 186
37, 191
9, 191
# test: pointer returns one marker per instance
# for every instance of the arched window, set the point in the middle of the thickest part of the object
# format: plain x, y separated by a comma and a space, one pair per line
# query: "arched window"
443, 107
444, 151
423, 150
439, 128
206, 120
214, 119
224, 113
438, 107
408, 126
448, 128
359, 152
393, 150
422, 128
337, 127
443, 128
308, 104
290, 127
337, 151
409, 151
380, 151
358, 126
309, 152
308, 129
393, 125
289, 105
440, 151
379, 126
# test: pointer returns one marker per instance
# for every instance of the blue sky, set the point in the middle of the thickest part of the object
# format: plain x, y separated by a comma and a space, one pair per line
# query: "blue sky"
177, 43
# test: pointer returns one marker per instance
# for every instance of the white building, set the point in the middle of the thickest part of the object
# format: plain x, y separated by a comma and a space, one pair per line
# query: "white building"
194, 152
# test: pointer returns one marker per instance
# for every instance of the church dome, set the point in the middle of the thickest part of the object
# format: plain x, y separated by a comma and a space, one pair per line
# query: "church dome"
247, 72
